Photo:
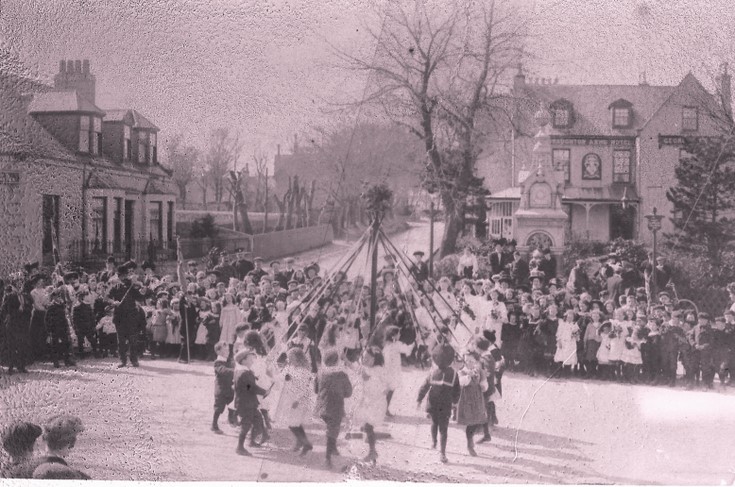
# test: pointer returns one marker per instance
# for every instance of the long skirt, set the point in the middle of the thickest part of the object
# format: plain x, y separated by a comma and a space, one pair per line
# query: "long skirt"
471, 407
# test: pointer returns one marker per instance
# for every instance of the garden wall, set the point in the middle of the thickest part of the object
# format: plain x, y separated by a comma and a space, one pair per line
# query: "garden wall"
289, 242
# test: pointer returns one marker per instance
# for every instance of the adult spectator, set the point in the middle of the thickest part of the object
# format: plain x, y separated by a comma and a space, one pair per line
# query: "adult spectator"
419, 268
243, 265
125, 295
519, 270
578, 281
548, 264
497, 258
15, 318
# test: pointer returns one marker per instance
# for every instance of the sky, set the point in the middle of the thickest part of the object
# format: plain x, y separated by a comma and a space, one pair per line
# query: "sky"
267, 68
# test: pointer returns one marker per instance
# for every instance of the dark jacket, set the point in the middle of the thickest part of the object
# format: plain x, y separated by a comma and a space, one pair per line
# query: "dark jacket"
224, 376
125, 315
498, 262
83, 318
247, 391
332, 387
519, 272
56, 322
548, 267
442, 386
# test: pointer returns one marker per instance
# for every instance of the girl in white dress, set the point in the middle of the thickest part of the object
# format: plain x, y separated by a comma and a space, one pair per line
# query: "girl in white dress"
497, 314
392, 350
229, 319
567, 335
297, 399
617, 344
373, 402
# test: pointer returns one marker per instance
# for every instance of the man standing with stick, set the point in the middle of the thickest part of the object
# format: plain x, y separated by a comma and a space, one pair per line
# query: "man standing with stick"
125, 295
187, 308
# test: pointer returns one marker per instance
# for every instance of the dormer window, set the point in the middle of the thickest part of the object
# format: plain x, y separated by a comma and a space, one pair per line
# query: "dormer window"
622, 114
90, 134
142, 145
154, 148
126, 143
562, 114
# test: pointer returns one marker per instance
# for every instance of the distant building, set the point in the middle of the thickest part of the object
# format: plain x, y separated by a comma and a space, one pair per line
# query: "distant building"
614, 144
77, 181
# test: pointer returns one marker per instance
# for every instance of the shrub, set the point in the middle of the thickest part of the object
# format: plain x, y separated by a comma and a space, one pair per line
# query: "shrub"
204, 227
446, 266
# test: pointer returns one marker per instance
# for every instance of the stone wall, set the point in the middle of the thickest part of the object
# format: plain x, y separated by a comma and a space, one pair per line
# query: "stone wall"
21, 232
288, 242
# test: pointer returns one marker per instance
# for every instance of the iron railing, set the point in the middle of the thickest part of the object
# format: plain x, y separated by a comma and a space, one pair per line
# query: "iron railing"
94, 253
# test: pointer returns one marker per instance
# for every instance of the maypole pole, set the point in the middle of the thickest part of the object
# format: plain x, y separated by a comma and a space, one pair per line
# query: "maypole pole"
378, 199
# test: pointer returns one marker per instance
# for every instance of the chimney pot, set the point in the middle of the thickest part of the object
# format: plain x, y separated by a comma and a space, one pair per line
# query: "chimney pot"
69, 66
78, 66
62, 66
85, 66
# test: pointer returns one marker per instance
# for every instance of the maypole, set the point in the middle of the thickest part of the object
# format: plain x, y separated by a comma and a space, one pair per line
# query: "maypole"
378, 199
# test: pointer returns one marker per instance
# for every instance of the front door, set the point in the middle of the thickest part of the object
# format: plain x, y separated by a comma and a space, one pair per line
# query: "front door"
129, 215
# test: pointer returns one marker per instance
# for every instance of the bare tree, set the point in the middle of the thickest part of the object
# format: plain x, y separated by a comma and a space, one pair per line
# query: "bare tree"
439, 70
184, 161
260, 162
236, 180
222, 155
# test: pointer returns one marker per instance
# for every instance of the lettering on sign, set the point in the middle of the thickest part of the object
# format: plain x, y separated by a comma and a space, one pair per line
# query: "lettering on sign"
7, 178
591, 142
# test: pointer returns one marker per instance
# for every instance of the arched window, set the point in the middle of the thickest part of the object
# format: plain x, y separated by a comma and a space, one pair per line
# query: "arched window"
562, 114
622, 114
591, 166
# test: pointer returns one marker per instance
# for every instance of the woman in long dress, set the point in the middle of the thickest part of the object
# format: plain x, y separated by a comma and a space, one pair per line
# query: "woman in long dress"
497, 314
392, 350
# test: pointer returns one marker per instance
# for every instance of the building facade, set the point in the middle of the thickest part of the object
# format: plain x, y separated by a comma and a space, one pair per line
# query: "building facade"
78, 183
617, 147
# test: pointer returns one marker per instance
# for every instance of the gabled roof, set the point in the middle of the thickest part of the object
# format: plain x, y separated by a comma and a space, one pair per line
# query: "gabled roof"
128, 115
591, 106
62, 101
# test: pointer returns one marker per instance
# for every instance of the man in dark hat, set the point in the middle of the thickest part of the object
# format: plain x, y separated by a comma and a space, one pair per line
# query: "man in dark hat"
258, 272
419, 268
225, 267
109, 271
278, 275
519, 270
548, 264
125, 295
243, 265
497, 258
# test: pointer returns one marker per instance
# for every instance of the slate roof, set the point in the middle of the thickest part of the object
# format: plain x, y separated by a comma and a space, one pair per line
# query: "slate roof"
613, 193
591, 104
138, 120
21, 135
62, 101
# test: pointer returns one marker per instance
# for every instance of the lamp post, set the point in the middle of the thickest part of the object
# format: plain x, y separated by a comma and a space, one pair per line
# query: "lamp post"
654, 225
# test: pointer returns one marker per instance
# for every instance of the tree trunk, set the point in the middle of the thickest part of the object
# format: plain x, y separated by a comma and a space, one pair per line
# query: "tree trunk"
235, 225
453, 222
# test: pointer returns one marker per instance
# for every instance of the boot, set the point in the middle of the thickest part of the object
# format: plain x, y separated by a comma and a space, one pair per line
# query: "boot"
215, 426
330, 447
297, 446
304, 441
485, 434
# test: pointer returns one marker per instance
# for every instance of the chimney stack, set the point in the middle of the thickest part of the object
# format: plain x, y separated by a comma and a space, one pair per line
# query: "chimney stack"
725, 89
75, 75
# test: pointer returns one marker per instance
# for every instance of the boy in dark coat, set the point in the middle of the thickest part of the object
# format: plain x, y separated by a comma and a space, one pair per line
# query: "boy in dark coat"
58, 327
83, 321
442, 387
704, 344
673, 339
224, 374
332, 387
247, 391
